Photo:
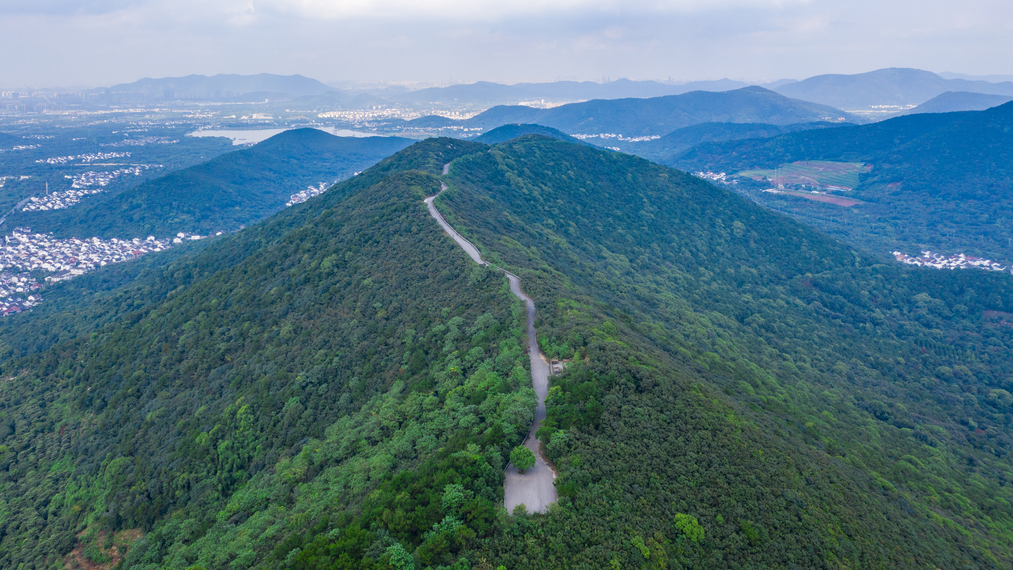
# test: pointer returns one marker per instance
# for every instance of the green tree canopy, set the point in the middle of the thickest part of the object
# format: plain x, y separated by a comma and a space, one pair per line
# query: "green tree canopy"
522, 458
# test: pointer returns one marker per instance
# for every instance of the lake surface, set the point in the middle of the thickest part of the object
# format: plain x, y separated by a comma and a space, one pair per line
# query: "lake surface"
254, 136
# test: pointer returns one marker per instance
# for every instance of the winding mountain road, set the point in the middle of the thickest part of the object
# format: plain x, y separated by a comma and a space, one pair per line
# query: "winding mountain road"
535, 488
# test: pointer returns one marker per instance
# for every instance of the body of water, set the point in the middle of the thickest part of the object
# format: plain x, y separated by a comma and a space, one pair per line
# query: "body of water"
253, 136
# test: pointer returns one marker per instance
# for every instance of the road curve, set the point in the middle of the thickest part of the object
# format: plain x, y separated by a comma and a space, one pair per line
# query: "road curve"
466, 245
535, 488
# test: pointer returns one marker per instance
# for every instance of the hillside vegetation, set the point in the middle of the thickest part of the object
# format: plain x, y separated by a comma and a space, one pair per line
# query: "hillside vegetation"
339, 386
510, 132
222, 194
937, 181
663, 149
953, 101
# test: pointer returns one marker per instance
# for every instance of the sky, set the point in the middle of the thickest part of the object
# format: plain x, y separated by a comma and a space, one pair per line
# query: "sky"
90, 43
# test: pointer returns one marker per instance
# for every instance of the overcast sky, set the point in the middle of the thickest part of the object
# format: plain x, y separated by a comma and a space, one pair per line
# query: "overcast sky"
103, 42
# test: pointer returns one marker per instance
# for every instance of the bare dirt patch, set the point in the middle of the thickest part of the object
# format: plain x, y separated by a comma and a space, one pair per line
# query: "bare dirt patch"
828, 198
94, 552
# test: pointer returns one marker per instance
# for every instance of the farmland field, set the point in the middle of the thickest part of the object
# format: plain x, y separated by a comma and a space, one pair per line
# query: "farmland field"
821, 173
826, 198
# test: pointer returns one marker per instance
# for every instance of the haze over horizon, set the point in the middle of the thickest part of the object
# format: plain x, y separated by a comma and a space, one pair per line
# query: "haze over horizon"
105, 42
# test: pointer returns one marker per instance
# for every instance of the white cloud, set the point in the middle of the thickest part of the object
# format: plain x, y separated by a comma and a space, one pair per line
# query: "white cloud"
101, 42
491, 10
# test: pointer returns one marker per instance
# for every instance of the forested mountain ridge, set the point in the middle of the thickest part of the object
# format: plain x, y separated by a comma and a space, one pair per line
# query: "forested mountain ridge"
892, 86
256, 332
663, 149
836, 355
508, 132
937, 181
659, 116
339, 386
953, 101
231, 190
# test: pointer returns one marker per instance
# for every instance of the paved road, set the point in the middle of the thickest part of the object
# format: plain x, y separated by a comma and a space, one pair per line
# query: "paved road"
466, 245
535, 488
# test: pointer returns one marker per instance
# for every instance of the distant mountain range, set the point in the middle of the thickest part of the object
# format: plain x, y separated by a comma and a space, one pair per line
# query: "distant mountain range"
224, 193
991, 78
893, 86
661, 115
960, 101
484, 92
223, 86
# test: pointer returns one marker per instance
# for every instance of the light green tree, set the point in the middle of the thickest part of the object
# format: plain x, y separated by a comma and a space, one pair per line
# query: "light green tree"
689, 526
522, 458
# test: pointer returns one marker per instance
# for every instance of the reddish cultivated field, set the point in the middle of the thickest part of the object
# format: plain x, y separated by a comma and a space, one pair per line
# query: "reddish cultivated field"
846, 202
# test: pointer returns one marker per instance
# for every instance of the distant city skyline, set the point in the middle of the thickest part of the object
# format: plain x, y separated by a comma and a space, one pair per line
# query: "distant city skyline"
93, 43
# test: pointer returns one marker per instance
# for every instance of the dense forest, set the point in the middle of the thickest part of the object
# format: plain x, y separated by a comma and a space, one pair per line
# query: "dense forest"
938, 181
664, 149
222, 194
510, 132
339, 386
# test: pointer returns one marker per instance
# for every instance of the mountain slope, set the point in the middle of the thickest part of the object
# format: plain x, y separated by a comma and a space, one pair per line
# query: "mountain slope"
223, 85
952, 101
474, 93
665, 148
487, 93
893, 86
339, 386
264, 377
667, 282
224, 193
509, 132
938, 181
661, 115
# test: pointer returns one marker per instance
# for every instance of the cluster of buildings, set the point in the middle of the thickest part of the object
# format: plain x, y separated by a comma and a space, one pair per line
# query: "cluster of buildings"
940, 261
92, 178
617, 137
382, 112
4, 179
66, 258
309, 192
18, 292
141, 141
81, 185
90, 157
716, 177
20, 147
58, 200
182, 237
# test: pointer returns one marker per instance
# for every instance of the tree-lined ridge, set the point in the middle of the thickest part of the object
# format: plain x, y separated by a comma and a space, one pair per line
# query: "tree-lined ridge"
531, 487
